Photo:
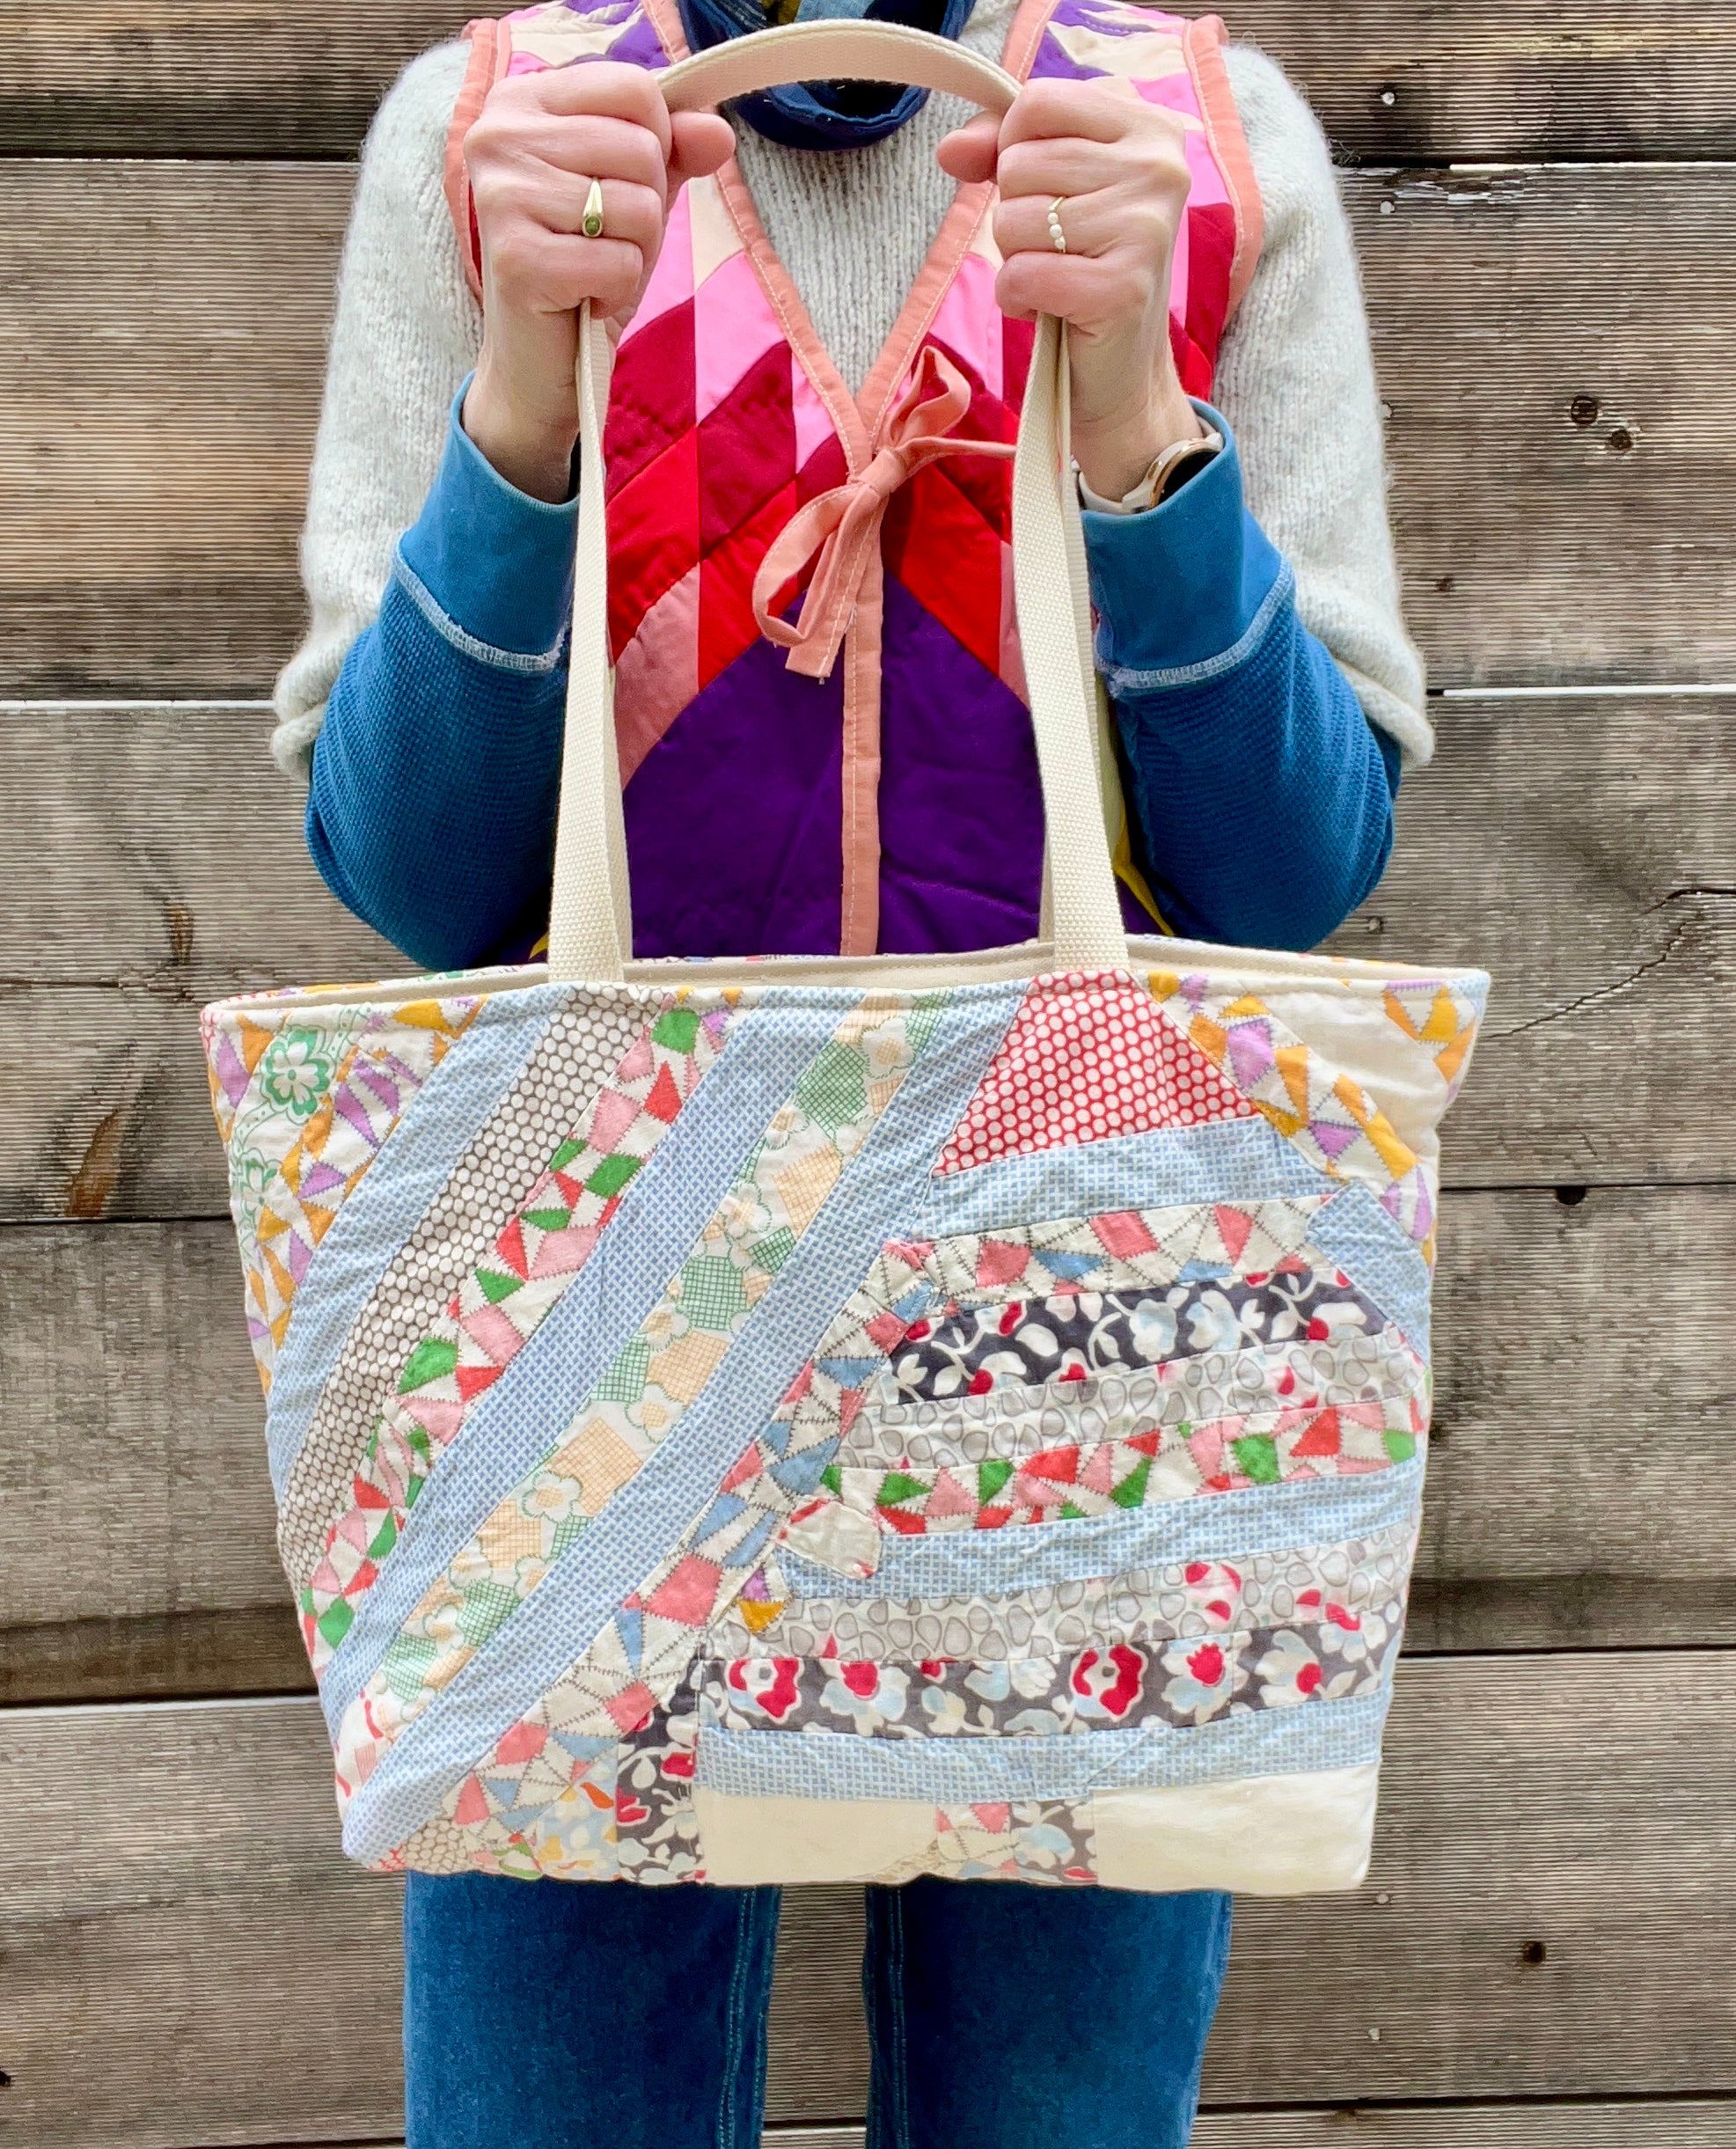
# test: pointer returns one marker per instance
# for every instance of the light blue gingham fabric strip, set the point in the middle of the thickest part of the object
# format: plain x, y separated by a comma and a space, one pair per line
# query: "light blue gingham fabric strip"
1236, 1160
1209, 1526
439, 1123
1373, 1251
666, 1205
871, 1203
957, 1771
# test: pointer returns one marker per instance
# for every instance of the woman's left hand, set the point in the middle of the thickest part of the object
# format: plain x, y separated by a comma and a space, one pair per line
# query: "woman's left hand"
1117, 169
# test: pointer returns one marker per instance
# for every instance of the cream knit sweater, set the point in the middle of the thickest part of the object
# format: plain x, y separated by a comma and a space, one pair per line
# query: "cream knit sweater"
1295, 378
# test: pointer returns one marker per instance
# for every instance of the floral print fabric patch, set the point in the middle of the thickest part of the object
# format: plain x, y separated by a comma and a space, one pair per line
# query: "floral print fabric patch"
1185, 1682
1069, 1336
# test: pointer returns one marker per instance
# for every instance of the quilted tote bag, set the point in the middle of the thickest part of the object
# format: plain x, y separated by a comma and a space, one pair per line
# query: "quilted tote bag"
811, 1420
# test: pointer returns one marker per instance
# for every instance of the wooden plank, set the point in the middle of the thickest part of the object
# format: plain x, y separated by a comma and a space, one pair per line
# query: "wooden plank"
1392, 79
1579, 850
163, 865
1546, 1917
1674, 2124
1582, 850
124, 1364
137, 1547
1565, 1334
149, 542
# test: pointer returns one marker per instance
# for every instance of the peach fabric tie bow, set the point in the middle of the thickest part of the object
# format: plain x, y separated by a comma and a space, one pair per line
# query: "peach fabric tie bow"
842, 526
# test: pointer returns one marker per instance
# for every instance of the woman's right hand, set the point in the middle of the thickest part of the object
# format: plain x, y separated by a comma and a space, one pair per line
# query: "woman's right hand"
536, 146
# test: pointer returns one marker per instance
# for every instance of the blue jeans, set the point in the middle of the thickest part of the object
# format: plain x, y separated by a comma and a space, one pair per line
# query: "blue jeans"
548, 2014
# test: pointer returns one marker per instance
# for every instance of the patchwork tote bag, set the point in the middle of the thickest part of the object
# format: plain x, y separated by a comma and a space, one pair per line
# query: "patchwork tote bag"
814, 1420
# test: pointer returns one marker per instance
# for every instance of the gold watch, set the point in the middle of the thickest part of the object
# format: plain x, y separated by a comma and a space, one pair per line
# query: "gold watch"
1166, 473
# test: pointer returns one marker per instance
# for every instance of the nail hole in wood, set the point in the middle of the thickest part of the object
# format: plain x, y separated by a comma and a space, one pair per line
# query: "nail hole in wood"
1570, 1197
1584, 410
1621, 441
1534, 1951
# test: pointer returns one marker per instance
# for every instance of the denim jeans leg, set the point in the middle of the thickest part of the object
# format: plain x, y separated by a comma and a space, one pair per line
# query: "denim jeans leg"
550, 2014
1008, 2016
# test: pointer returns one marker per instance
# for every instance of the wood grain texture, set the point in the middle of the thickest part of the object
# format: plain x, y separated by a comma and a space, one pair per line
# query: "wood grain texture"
1581, 850
155, 468
1583, 1359
162, 865
1391, 78
1675, 2124
205, 1937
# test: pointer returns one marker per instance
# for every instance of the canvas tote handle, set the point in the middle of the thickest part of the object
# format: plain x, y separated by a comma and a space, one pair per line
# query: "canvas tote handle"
590, 931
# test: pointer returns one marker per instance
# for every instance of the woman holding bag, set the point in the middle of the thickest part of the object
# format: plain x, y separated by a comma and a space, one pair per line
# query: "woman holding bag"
812, 341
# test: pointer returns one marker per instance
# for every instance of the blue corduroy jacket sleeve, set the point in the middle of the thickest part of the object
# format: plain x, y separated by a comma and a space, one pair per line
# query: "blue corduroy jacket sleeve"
436, 773
1261, 795
1260, 798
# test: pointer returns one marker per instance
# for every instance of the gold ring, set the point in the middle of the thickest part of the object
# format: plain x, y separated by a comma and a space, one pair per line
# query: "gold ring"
591, 223
1058, 237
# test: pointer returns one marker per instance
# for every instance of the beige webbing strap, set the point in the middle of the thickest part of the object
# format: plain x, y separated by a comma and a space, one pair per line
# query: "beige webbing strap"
590, 933
591, 920
839, 50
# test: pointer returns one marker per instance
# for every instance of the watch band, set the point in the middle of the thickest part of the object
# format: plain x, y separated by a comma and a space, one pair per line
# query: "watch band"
1166, 473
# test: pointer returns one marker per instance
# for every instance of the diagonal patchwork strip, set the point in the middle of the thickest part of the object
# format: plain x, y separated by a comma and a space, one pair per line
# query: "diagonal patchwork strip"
428, 1142
656, 1379
529, 1409
1024, 1343
1328, 1114
1127, 1249
1185, 1682
502, 1303
1180, 1601
306, 1109
1441, 1014
502, 1114
1068, 1482
1014, 1421
1240, 1742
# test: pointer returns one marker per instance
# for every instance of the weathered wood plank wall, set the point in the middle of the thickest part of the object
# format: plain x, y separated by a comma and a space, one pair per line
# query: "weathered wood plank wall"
1396, 81
1545, 1946
1547, 330
1529, 1930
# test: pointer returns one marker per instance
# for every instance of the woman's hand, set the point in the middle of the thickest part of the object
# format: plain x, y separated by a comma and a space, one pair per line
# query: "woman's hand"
536, 146
1119, 169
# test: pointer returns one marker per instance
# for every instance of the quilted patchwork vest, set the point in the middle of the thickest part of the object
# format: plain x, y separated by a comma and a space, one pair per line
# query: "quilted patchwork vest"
819, 697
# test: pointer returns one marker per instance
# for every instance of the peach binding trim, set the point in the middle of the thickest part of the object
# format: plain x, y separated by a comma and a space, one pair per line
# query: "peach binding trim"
1203, 42
490, 51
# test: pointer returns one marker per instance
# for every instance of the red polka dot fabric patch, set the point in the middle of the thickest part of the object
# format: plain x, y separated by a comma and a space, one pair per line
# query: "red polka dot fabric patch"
1089, 1057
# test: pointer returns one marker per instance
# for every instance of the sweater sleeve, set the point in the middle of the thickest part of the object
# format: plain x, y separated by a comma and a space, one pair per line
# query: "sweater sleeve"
431, 807
1265, 688
1261, 795
1296, 382
405, 334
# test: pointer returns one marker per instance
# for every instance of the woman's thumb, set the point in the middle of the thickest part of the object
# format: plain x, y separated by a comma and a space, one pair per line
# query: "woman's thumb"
972, 151
699, 143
